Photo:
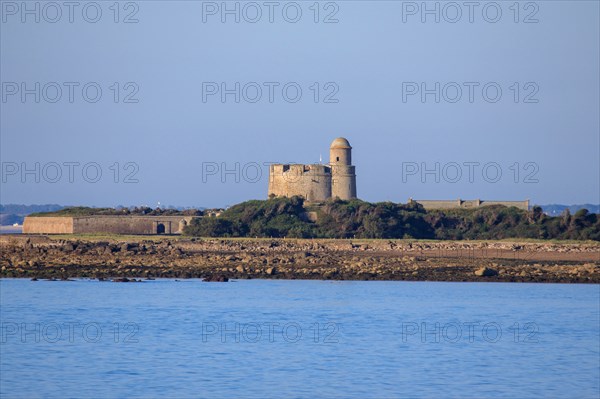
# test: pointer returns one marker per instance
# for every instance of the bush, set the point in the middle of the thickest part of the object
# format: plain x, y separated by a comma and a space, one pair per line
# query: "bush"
209, 227
286, 217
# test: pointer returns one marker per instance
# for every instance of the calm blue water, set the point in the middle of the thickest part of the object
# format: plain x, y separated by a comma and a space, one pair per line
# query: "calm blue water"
258, 338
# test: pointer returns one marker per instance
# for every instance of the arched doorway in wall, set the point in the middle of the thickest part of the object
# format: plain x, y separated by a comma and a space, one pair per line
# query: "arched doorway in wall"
160, 228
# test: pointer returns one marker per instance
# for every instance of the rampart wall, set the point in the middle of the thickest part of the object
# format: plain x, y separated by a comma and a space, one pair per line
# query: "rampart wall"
105, 224
48, 225
459, 203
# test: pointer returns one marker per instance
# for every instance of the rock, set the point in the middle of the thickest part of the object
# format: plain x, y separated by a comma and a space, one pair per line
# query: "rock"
129, 246
69, 247
271, 271
218, 278
240, 269
176, 252
486, 272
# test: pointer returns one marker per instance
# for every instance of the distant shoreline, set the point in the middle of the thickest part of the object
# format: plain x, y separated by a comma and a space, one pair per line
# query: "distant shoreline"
141, 257
11, 229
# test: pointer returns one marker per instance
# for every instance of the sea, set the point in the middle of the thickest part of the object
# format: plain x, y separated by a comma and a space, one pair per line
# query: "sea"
298, 339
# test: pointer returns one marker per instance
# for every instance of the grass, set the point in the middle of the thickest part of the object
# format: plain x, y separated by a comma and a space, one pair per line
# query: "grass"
112, 237
89, 211
158, 238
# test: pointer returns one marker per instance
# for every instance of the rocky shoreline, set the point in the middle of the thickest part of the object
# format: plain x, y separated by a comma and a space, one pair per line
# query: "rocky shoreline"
135, 259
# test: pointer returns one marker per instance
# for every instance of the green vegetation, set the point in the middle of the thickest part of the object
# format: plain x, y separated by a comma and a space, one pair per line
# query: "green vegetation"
355, 218
140, 211
497, 222
287, 217
277, 217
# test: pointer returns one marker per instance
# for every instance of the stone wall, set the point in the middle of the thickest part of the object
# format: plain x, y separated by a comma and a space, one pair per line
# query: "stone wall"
459, 203
106, 225
48, 225
313, 182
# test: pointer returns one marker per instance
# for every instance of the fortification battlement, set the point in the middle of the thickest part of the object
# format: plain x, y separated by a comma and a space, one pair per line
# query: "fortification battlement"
292, 170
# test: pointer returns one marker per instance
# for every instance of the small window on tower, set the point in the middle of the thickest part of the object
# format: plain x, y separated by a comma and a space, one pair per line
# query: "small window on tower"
337, 159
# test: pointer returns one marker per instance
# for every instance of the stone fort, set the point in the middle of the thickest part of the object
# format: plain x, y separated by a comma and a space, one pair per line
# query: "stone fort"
317, 182
320, 182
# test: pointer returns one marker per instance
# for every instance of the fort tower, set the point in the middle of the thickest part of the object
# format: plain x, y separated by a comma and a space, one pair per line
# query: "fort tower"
315, 182
343, 176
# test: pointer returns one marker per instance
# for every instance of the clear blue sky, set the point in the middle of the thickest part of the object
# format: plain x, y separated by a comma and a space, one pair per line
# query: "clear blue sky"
373, 59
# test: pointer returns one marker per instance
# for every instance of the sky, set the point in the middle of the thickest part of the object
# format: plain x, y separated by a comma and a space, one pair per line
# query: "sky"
186, 103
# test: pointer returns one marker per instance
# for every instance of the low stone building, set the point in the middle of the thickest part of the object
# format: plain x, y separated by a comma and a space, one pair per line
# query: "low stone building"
136, 225
460, 203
